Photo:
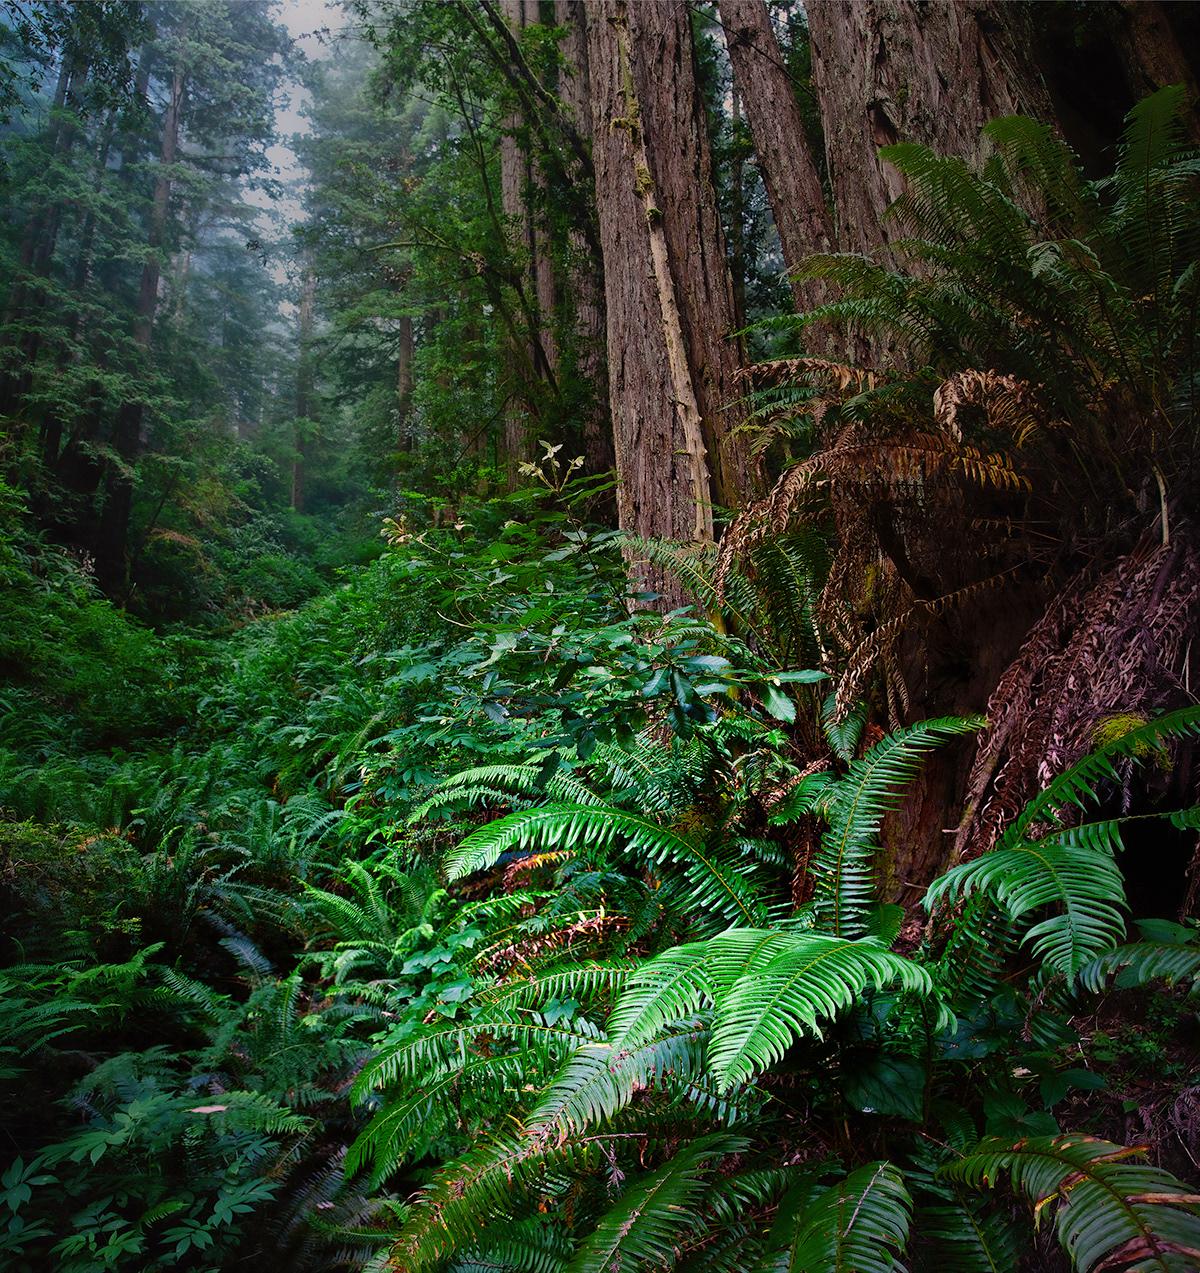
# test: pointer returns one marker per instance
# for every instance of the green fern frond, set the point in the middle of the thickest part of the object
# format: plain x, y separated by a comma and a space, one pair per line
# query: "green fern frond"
581, 982
1077, 785
717, 883
470, 1193
600, 1081
962, 1237
1065, 871
1139, 963
767, 987
407, 1124
855, 806
501, 783
1108, 1212
644, 1227
534, 1245
781, 996
448, 1044
860, 1223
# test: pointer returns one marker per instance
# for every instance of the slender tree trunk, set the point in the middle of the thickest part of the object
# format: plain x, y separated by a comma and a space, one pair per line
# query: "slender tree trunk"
667, 286
52, 425
113, 530
40, 239
304, 386
542, 260
404, 382
789, 170
514, 184
586, 270
737, 210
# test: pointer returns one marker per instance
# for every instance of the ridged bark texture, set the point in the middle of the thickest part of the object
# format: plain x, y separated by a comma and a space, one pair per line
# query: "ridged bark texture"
585, 271
789, 170
514, 181
670, 307
929, 71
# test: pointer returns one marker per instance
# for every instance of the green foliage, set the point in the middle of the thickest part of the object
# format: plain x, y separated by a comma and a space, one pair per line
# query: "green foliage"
860, 1223
1106, 1209
432, 902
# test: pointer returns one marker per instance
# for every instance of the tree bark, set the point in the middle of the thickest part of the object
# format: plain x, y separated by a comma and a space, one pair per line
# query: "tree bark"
113, 530
36, 253
929, 71
514, 182
404, 382
788, 167
679, 163
585, 269
542, 261
669, 299
304, 386
1156, 54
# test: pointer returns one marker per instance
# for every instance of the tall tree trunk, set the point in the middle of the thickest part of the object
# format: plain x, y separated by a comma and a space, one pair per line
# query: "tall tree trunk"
667, 288
934, 73
683, 197
586, 270
788, 167
514, 184
27, 295
907, 70
113, 531
542, 260
304, 386
737, 209
404, 382
1161, 48
85, 256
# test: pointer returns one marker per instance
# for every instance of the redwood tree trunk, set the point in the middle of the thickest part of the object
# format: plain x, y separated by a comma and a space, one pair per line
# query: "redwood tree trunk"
585, 277
542, 261
113, 530
404, 382
908, 70
670, 308
304, 385
38, 243
789, 170
684, 199
934, 73
514, 182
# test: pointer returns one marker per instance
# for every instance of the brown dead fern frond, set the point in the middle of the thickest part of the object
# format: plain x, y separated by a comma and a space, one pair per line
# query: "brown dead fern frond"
1009, 405
1114, 643
777, 372
880, 644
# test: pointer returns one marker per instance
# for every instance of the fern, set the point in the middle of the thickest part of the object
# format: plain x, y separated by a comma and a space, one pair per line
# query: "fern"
599, 1081
767, 988
1108, 1212
855, 806
482, 1186
961, 1237
716, 882
1066, 871
1077, 785
860, 1224
535, 1245
645, 1225
1171, 956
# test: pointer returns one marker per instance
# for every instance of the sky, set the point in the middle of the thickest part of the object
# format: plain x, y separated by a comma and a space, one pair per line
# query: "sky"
305, 20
